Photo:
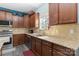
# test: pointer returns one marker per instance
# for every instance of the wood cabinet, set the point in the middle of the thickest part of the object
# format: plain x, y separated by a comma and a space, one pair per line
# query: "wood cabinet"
57, 53
18, 39
34, 20
38, 46
2, 15
8, 16
20, 22
53, 14
15, 21
28, 41
26, 21
42, 47
33, 45
46, 48
46, 51
63, 13
59, 50
67, 13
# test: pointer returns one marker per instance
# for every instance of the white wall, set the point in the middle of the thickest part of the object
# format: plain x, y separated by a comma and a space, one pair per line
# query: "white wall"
43, 10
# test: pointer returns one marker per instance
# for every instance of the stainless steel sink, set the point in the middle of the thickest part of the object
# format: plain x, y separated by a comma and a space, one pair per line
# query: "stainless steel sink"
39, 35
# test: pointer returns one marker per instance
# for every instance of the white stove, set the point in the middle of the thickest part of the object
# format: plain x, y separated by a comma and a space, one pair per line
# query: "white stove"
7, 34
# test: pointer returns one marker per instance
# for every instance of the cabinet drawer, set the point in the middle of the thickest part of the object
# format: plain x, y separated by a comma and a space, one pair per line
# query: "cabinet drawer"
59, 48
70, 52
38, 46
57, 53
47, 43
64, 50
46, 51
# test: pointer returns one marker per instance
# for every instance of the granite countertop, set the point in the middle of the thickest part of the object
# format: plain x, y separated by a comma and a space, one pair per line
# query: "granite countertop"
64, 41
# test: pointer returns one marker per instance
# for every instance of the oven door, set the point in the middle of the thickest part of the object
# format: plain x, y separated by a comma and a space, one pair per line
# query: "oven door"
10, 42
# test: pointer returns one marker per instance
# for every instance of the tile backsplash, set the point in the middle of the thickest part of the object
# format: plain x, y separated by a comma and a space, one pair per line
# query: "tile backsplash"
19, 30
66, 30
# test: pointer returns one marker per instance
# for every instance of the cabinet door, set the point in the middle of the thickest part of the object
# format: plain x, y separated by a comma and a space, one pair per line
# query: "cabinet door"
37, 20
62, 51
21, 39
32, 21
53, 14
33, 45
38, 46
2, 15
18, 39
20, 22
26, 21
67, 13
15, 21
8, 16
57, 53
46, 51
15, 40
28, 41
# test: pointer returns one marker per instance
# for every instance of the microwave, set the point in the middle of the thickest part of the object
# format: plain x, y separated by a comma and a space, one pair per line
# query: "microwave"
5, 22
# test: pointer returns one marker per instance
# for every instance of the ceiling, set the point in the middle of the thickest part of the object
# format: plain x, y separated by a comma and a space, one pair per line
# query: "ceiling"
22, 7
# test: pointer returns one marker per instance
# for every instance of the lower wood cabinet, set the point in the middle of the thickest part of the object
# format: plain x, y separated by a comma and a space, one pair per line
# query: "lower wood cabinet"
33, 45
38, 46
42, 47
28, 41
46, 51
18, 39
59, 50
46, 48
57, 53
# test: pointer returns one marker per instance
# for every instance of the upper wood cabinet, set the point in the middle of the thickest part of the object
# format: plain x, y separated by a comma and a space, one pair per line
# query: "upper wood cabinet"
34, 20
37, 20
20, 22
8, 16
67, 13
53, 14
15, 21
26, 21
2, 15
62, 13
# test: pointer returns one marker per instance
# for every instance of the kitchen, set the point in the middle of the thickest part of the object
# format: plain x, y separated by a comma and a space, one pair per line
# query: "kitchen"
45, 29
